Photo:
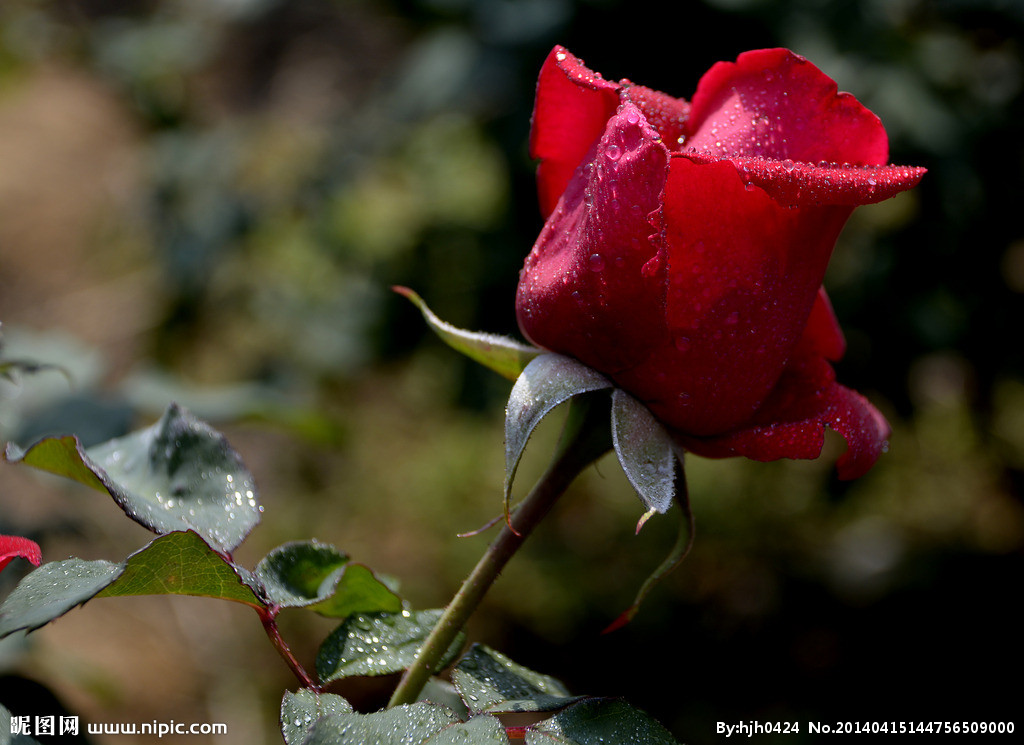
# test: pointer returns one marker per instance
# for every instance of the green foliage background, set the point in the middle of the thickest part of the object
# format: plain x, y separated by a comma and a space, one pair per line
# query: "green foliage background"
207, 200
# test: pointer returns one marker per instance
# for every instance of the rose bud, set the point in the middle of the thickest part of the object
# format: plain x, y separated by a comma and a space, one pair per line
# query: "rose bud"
686, 243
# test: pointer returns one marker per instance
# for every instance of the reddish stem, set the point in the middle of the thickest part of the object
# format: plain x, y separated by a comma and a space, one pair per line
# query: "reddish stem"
268, 617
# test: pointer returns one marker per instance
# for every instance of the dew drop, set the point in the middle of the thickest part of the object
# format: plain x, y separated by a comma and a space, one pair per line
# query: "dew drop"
682, 343
613, 152
788, 165
595, 262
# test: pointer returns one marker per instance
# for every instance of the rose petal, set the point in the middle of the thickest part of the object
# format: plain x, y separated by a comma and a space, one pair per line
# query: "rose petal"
822, 335
665, 113
13, 546
772, 103
571, 110
743, 275
837, 407
792, 182
583, 290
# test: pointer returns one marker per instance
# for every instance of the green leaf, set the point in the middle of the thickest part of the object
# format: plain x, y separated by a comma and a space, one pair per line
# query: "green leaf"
440, 691
179, 474
301, 710
294, 574
182, 563
488, 681
358, 590
179, 563
410, 724
378, 644
63, 456
319, 577
645, 450
505, 356
599, 721
479, 730
52, 590
547, 381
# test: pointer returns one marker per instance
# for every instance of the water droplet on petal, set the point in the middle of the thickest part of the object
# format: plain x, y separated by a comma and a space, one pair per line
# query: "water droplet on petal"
595, 262
613, 152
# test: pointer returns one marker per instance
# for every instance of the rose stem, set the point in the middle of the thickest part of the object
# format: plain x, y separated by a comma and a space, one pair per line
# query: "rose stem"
268, 616
585, 437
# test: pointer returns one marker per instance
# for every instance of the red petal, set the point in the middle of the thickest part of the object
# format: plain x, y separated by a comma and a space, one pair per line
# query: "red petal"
13, 546
743, 275
798, 429
573, 105
797, 183
584, 290
822, 335
665, 113
772, 103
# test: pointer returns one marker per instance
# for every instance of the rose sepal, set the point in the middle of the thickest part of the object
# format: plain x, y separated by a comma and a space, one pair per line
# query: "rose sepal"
504, 355
549, 380
647, 453
650, 456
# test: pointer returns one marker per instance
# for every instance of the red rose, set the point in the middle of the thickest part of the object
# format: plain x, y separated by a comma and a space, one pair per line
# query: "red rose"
685, 247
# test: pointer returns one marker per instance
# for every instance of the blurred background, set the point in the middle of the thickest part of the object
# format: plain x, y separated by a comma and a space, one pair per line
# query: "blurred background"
206, 201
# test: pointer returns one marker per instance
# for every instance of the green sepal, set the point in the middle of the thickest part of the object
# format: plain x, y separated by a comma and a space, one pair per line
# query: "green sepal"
179, 474
505, 356
680, 549
645, 450
546, 382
